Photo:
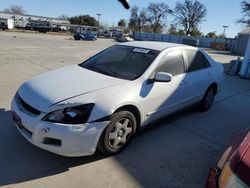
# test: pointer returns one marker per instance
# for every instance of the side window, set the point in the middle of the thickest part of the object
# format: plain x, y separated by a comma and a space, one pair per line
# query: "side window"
196, 60
172, 63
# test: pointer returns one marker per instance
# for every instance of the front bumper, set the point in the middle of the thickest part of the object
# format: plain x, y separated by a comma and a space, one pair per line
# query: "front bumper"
62, 139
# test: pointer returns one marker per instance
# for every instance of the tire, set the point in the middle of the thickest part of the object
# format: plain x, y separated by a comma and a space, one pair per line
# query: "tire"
119, 132
208, 99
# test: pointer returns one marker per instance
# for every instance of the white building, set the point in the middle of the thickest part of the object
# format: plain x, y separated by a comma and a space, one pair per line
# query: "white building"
243, 37
21, 20
7, 23
28, 21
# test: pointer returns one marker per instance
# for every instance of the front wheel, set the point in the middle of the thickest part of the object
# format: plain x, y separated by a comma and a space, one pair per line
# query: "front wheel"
208, 99
118, 133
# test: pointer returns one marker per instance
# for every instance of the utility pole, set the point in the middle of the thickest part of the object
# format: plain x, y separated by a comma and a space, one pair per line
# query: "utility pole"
224, 32
98, 15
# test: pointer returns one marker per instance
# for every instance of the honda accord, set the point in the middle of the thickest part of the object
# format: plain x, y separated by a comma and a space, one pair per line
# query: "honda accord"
102, 102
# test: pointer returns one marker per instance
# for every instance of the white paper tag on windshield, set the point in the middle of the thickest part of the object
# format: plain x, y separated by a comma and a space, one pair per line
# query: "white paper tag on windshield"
141, 50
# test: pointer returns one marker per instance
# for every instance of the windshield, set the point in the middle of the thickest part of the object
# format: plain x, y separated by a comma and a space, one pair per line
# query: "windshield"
125, 62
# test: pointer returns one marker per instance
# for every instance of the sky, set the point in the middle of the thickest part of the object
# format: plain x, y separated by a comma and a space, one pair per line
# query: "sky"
220, 12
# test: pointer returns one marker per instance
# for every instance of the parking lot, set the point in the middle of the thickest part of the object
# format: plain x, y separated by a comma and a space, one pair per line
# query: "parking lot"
174, 152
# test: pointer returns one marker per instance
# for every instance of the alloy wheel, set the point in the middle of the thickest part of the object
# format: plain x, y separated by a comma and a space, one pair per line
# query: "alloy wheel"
120, 133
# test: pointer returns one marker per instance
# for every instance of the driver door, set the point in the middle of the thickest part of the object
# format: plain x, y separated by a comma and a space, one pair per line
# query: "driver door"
166, 97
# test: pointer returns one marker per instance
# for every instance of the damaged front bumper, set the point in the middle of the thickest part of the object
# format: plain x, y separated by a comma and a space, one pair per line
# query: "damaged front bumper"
62, 139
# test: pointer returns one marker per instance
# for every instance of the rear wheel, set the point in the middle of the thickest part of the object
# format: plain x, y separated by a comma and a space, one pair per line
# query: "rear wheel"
208, 99
118, 133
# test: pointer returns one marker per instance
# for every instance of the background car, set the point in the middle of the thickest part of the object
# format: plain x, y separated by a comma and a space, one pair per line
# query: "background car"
3, 26
116, 33
107, 34
124, 38
233, 168
80, 36
90, 37
102, 102
42, 27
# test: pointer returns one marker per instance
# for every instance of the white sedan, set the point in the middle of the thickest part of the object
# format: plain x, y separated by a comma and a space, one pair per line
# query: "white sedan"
102, 102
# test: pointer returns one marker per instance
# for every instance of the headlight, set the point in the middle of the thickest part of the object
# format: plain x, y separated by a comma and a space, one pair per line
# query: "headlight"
229, 180
72, 115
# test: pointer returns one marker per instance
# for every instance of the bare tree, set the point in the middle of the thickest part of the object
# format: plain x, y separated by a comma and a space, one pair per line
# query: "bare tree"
189, 14
122, 23
245, 10
157, 13
211, 34
196, 32
63, 17
83, 20
15, 9
138, 19
172, 30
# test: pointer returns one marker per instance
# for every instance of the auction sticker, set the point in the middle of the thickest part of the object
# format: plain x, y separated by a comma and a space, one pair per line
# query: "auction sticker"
141, 50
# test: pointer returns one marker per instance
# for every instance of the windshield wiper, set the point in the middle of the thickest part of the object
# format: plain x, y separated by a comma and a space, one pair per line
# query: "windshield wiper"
102, 70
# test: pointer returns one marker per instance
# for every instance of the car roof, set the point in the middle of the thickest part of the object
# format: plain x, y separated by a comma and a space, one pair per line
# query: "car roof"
153, 45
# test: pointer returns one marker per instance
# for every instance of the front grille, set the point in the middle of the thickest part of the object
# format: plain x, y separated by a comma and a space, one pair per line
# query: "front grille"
28, 107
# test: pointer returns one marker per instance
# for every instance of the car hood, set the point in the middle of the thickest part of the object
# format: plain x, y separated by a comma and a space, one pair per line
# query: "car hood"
55, 86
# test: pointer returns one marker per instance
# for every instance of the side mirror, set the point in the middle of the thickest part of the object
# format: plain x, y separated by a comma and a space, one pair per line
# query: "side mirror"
163, 77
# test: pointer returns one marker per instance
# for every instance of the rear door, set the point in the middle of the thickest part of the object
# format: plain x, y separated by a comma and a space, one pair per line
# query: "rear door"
199, 73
